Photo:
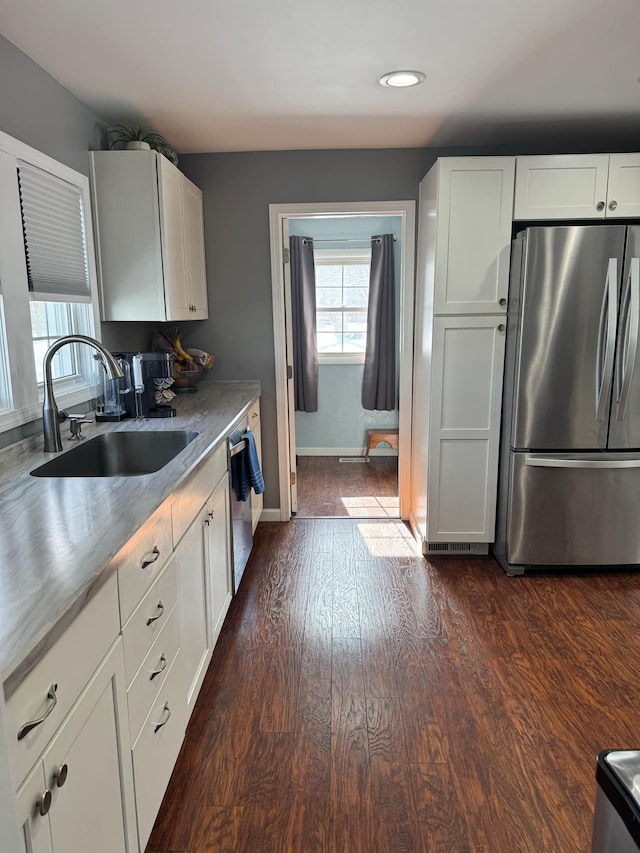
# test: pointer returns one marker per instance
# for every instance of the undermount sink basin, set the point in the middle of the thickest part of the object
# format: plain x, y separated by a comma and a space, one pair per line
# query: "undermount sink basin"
118, 454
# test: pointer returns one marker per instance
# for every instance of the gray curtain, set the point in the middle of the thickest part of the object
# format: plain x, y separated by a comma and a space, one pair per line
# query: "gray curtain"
303, 309
379, 379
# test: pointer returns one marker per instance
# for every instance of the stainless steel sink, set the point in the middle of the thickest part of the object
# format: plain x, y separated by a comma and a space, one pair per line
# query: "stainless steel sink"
118, 454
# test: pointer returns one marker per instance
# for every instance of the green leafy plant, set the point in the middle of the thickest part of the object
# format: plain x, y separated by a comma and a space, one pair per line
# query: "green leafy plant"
123, 133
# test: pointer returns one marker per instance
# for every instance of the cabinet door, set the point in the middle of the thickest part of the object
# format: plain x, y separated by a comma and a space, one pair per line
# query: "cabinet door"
466, 396
193, 225
219, 555
171, 228
623, 193
473, 220
87, 767
193, 598
35, 828
561, 186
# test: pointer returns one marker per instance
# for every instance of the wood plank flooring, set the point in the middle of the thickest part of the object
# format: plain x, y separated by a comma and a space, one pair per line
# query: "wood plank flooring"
363, 699
328, 487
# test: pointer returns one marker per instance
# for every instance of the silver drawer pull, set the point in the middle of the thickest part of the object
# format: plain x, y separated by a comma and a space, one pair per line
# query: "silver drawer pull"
24, 730
156, 554
161, 668
158, 726
43, 804
159, 612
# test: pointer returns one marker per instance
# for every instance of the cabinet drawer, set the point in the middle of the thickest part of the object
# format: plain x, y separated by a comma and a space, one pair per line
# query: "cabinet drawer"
149, 618
153, 672
157, 747
192, 495
141, 559
68, 665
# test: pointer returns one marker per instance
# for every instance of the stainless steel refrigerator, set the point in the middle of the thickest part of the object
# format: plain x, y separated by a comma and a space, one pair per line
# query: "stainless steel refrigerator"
569, 491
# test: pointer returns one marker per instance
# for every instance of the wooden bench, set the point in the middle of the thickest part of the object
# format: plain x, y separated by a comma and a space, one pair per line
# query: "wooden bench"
375, 436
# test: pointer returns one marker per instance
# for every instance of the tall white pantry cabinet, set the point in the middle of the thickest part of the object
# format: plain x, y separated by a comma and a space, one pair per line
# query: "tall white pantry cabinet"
465, 219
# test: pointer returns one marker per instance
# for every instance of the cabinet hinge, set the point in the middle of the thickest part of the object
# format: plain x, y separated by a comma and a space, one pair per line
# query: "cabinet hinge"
285, 255
293, 478
289, 371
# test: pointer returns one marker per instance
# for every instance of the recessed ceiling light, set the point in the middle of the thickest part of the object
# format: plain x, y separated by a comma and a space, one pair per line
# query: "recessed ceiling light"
402, 79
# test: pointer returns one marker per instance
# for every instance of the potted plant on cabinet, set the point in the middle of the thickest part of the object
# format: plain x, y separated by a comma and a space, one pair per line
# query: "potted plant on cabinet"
141, 137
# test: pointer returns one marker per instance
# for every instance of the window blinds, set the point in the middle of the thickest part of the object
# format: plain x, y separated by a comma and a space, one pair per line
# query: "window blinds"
55, 244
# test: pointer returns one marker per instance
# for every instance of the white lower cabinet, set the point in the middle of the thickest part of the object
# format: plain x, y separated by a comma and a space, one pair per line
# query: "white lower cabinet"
256, 501
219, 555
194, 601
466, 396
157, 747
83, 782
90, 776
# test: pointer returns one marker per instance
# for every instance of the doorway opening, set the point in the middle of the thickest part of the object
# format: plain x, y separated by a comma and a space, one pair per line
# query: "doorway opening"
322, 464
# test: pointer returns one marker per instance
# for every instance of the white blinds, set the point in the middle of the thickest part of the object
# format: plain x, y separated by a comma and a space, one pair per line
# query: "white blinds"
53, 224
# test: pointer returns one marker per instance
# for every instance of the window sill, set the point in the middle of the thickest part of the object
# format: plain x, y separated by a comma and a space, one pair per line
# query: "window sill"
346, 358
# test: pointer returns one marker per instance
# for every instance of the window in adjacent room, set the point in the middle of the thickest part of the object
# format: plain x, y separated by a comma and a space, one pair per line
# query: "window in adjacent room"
342, 297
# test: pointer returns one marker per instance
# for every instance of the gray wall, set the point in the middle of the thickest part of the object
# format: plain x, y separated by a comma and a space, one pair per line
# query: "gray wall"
238, 189
36, 109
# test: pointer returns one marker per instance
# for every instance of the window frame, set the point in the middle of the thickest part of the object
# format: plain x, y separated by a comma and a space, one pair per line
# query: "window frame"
25, 393
342, 257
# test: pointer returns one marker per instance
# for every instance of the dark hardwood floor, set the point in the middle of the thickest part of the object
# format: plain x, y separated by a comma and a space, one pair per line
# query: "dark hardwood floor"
362, 699
328, 487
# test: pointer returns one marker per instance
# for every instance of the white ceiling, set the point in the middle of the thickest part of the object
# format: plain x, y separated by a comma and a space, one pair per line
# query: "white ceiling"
283, 74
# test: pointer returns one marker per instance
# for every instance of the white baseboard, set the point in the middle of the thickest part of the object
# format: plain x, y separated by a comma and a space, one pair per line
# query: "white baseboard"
344, 451
270, 515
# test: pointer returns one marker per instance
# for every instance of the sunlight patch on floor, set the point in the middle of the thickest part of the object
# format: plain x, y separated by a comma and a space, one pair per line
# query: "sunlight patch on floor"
389, 539
372, 506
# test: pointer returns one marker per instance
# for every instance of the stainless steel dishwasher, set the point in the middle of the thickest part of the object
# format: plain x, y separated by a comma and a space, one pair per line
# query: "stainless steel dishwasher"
616, 823
240, 510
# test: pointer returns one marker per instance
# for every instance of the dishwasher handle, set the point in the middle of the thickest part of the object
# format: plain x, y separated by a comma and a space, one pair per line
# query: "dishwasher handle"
234, 449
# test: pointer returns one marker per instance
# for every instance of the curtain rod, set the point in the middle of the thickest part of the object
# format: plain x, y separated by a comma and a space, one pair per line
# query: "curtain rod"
341, 239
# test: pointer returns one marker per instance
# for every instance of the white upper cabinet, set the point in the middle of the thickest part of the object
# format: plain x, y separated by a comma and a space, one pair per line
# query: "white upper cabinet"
149, 238
577, 186
472, 215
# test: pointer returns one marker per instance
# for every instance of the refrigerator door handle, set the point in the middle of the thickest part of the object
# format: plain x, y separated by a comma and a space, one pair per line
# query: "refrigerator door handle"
555, 462
629, 347
607, 331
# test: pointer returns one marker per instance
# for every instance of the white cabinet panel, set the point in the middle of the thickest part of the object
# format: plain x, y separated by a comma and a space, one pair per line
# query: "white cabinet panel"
194, 250
623, 196
173, 241
195, 607
561, 186
468, 358
219, 556
473, 221
462, 489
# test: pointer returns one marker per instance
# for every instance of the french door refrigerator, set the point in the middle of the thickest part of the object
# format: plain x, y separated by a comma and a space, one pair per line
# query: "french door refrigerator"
569, 491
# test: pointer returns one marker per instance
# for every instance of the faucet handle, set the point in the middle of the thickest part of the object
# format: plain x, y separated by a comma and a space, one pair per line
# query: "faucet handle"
75, 426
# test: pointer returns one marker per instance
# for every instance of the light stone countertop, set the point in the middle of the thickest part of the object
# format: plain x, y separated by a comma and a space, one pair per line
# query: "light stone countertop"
58, 536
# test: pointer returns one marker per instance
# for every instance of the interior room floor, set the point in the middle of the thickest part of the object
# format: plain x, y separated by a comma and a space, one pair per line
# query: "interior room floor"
362, 699
330, 488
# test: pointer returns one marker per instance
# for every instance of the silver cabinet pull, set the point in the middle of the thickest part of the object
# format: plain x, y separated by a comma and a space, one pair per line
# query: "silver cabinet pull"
158, 726
52, 698
600, 205
502, 302
501, 327
613, 205
159, 611
44, 803
161, 668
156, 554
60, 776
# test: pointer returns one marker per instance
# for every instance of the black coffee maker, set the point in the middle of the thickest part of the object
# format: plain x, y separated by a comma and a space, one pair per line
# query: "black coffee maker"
151, 378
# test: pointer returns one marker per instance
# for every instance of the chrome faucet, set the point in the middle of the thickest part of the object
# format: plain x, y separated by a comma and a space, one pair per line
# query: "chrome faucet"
50, 424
